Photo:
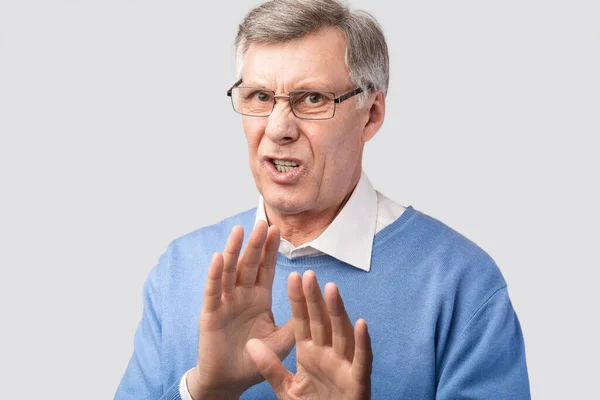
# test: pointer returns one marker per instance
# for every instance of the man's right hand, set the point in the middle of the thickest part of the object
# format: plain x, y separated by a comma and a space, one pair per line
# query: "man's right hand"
236, 308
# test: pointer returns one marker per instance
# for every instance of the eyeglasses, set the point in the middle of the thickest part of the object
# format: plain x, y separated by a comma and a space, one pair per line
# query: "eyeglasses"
305, 104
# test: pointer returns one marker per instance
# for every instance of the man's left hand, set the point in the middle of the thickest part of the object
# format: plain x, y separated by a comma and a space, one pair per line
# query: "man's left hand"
334, 360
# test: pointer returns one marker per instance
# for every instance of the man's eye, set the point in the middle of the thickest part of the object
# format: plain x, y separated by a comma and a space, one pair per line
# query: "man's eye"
262, 96
314, 98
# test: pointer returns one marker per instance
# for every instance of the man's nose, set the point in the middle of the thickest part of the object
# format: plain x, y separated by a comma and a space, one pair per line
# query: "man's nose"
281, 127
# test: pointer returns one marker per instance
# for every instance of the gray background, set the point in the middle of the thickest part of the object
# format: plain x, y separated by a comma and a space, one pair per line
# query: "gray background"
117, 137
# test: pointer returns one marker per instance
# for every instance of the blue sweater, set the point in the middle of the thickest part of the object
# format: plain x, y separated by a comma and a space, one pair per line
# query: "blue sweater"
440, 318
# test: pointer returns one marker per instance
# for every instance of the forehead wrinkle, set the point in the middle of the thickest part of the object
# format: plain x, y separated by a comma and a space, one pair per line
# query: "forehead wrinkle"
305, 63
311, 75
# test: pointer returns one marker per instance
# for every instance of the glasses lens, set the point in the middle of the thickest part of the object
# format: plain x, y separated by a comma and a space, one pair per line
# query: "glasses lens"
252, 101
312, 104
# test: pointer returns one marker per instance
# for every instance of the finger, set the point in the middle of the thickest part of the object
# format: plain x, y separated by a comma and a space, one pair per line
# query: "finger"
300, 318
363, 354
230, 257
212, 289
342, 331
268, 259
320, 325
248, 264
268, 364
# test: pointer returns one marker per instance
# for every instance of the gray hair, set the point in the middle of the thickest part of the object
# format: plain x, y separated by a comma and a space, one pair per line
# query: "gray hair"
279, 21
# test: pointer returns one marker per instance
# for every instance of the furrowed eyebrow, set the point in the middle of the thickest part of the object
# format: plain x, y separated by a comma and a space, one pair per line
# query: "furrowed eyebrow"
313, 89
254, 84
313, 86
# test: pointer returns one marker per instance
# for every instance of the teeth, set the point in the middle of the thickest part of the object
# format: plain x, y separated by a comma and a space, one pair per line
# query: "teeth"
282, 168
284, 165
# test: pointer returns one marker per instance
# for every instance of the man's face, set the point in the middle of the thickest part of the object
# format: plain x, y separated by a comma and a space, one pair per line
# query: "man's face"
328, 152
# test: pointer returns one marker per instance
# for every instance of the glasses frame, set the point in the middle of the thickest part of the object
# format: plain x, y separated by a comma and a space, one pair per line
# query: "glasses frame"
336, 100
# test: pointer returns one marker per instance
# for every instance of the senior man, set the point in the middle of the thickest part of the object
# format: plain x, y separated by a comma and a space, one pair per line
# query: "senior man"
311, 89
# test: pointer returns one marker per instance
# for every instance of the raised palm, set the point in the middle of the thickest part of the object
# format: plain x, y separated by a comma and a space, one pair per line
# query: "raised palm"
334, 360
236, 308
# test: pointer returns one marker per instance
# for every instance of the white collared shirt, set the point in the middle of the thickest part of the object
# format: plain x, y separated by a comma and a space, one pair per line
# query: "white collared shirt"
349, 237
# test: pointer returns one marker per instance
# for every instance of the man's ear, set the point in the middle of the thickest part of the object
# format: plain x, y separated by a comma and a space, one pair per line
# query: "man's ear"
376, 114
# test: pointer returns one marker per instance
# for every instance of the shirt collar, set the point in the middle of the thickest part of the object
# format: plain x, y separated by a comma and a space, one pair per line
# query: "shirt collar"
349, 237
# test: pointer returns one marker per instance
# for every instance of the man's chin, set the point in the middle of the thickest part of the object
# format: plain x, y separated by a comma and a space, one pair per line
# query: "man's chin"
284, 208
284, 204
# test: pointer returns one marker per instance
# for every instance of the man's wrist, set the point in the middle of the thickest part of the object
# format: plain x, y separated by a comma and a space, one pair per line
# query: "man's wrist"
201, 392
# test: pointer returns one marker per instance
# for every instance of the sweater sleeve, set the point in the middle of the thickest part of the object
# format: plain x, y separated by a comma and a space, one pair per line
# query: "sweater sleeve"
142, 378
487, 361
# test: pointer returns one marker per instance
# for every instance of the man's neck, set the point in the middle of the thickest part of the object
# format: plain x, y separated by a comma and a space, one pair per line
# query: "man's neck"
300, 228
304, 227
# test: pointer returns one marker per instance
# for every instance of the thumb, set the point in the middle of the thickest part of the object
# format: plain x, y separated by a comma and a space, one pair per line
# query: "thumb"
268, 364
284, 339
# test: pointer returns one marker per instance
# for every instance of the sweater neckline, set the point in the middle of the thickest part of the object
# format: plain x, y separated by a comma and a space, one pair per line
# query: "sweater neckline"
324, 260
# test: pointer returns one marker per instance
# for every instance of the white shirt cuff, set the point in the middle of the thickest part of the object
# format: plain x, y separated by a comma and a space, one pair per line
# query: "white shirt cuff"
183, 390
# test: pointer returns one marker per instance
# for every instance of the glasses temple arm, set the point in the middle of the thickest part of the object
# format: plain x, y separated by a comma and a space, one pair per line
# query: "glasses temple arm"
350, 94
231, 88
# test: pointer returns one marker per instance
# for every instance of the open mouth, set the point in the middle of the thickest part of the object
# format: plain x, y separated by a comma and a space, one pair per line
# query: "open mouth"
284, 165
